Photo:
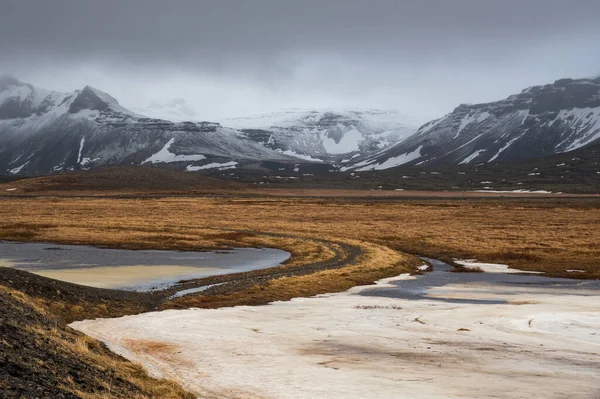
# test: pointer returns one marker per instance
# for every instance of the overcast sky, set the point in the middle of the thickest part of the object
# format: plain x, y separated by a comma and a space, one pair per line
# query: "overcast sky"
239, 57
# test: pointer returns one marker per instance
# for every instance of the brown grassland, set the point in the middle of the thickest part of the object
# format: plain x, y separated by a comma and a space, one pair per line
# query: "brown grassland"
549, 235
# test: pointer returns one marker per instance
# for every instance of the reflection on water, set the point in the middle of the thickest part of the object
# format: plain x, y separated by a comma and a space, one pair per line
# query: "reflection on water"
128, 277
131, 270
480, 288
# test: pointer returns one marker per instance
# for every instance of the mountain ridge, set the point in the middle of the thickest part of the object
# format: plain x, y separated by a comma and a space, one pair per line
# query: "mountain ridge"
45, 131
540, 121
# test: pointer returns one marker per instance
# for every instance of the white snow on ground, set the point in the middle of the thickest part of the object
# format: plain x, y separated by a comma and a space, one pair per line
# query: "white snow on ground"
471, 157
541, 343
489, 267
164, 155
515, 191
394, 161
179, 294
348, 143
214, 165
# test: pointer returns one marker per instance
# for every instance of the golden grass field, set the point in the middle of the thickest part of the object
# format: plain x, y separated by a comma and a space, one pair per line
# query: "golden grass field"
550, 235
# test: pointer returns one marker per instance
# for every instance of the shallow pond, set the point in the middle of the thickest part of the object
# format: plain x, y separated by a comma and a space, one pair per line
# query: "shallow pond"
131, 270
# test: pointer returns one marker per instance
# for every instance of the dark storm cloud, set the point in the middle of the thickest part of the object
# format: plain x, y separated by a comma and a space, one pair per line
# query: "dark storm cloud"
206, 32
300, 46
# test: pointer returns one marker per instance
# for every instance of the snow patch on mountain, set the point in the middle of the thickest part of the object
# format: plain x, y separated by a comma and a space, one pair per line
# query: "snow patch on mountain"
467, 120
501, 150
166, 156
213, 165
349, 142
583, 119
471, 157
81, 143
394, 161
17, 169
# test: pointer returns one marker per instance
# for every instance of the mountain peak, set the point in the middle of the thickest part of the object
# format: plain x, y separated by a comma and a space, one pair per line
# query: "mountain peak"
92, 99
7, 80
107, 98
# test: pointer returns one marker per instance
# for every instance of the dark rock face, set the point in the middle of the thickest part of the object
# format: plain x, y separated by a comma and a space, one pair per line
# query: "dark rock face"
540, 121
88, 99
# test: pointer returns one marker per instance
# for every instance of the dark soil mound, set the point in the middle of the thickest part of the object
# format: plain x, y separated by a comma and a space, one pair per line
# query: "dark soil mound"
40, 357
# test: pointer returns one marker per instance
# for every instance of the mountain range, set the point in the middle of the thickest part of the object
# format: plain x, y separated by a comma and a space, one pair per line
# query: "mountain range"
43, 131
539, 121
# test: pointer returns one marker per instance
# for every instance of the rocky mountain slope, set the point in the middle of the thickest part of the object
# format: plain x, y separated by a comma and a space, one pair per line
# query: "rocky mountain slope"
44, 131
326, 135
540, 121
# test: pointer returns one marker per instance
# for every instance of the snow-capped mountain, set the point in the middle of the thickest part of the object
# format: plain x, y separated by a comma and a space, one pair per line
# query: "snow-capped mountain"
176, 110
326, 134
43, 131
540, 121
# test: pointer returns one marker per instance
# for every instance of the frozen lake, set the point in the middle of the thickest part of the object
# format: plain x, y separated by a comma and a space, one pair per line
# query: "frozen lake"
438, 336
131, 270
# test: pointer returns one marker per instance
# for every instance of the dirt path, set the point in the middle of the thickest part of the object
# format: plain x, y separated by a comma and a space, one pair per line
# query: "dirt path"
127, 302
345, 254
